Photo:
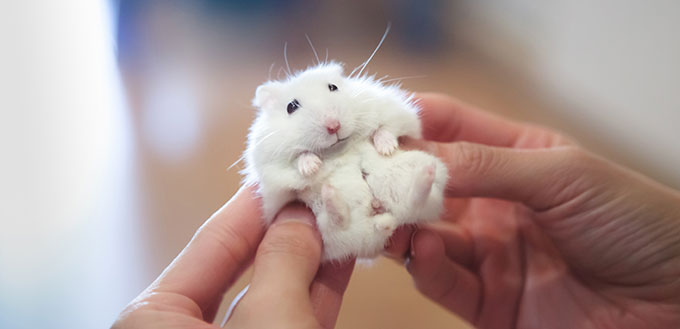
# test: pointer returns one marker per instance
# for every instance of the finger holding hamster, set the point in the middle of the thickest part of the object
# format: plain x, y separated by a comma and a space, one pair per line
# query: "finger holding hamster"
446, 119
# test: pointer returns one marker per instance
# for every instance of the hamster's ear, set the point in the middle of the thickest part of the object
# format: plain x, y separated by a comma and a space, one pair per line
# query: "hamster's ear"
336, 68
266, 94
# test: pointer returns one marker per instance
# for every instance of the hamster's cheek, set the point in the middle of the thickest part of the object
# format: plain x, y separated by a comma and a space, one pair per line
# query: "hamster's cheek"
346, 129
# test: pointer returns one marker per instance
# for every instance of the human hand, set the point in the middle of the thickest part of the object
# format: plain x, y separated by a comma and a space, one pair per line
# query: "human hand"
539, 233
288, 287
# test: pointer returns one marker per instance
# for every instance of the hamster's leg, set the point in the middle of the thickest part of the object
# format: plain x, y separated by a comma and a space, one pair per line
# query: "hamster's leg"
337, 210
385, 223
422, 184
433, 206
385, 142
308, 164
272, 201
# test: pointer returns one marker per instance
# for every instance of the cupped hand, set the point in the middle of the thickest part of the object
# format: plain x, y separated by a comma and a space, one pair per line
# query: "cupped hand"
288, 290
539, 233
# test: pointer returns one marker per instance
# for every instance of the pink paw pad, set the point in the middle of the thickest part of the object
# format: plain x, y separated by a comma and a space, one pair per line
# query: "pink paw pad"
423, 184
336, 210
385, 142
377, 207
308, 164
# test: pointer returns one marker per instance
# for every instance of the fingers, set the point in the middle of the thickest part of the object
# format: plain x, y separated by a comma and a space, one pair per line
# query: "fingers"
440, 279
288, 257
399, 243
216, 255
458, 245
446, 119
327, 290
541, 179
286, 262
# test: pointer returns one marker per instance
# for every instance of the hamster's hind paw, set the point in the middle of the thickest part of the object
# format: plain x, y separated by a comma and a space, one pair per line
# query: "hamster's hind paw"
385, 142
337, 211
308, 164
422, 184
385, 223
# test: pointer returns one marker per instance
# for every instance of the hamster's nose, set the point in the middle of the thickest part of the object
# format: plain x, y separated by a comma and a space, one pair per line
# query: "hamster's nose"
332, 126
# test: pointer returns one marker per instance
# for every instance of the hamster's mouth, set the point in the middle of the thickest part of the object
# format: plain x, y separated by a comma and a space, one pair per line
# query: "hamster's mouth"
340, 140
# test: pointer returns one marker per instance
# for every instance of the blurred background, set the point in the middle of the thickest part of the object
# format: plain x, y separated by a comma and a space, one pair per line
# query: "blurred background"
119, 119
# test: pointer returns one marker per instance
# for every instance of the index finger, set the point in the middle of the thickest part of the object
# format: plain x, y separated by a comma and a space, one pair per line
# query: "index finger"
445, 119
217, 254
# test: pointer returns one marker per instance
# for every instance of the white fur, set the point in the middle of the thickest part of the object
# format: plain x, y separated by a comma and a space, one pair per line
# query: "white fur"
356, 181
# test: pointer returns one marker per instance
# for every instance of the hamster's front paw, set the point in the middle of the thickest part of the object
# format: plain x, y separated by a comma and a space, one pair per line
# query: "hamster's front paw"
385, 142
308, 164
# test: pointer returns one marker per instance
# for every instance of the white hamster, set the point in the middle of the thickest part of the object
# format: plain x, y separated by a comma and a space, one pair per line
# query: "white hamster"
306, 116
360, 197
331, 141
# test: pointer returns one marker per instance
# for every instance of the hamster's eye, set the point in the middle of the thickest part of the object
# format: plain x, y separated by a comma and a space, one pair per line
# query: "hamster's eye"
332, 87
293, 106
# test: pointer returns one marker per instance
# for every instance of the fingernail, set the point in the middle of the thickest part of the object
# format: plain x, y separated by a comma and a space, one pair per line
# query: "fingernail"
295, 213
412, 249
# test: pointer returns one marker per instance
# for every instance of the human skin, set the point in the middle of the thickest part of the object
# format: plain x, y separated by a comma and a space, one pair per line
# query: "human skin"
538, 232
288, 288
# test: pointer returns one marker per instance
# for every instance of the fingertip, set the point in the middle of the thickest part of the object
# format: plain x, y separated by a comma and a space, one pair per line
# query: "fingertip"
295, 212
439, 116
290, 252
427, 252
399, 243
440, 279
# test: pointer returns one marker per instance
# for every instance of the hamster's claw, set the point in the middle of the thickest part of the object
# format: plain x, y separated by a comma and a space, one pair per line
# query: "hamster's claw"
385, 142
377, 207
308, 164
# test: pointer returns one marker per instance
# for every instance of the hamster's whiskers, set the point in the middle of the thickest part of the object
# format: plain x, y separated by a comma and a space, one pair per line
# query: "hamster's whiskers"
271, 67
285, 57
318, 62
404, 78
364, 64
278, 74
242, 157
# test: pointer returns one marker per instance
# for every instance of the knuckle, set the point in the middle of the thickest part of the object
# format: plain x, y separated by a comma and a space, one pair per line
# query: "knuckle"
578, 161
574, 154
297, 240
542, 137
574, 174
469, 158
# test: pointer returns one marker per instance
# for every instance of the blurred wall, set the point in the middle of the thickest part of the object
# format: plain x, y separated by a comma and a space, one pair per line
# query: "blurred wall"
68, 230
609, 67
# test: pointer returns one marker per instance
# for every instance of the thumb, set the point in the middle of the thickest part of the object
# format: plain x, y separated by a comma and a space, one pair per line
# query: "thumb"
289, 255
540, 178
